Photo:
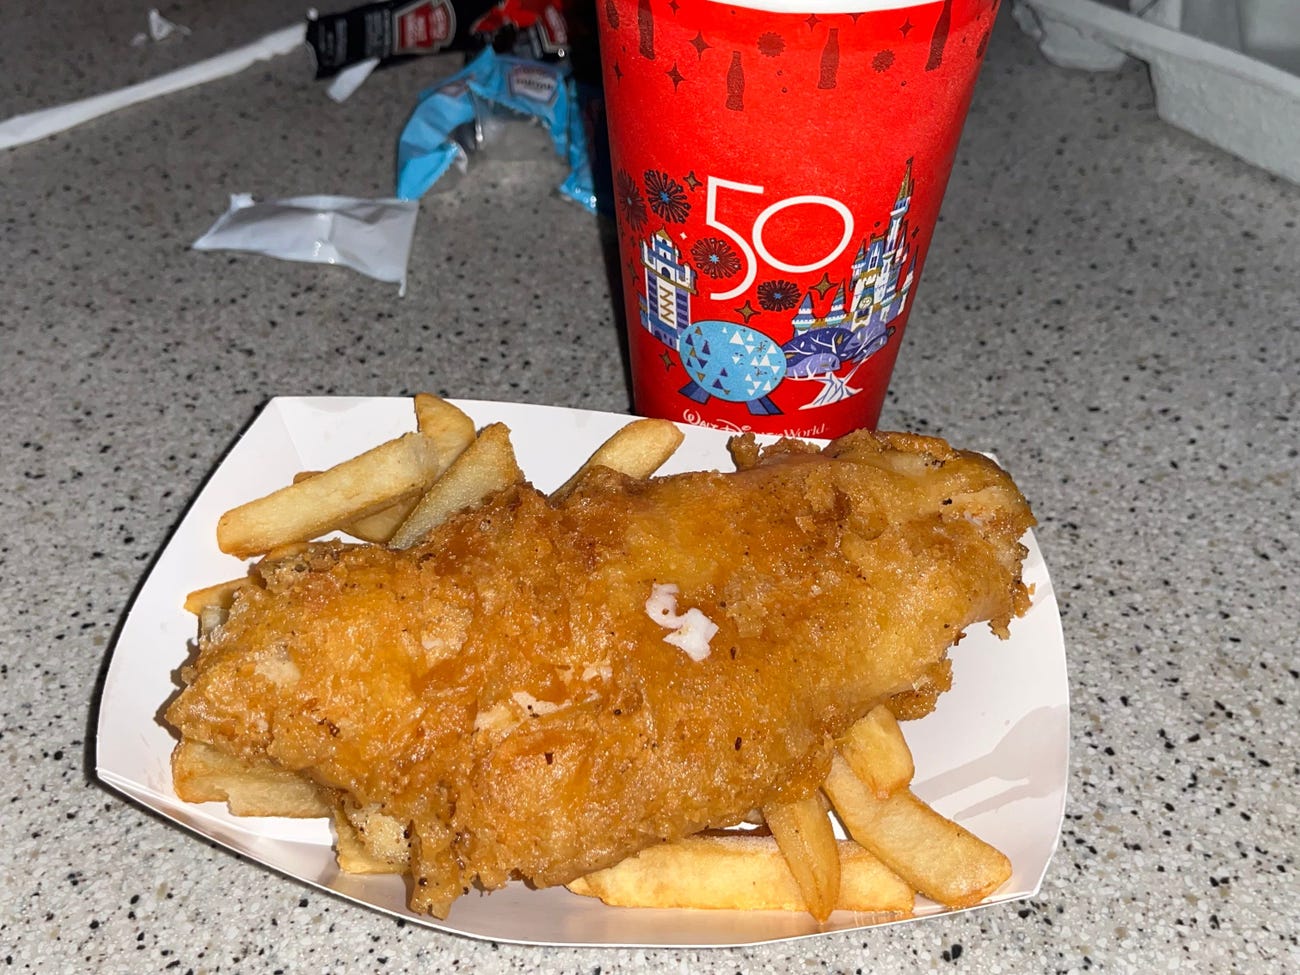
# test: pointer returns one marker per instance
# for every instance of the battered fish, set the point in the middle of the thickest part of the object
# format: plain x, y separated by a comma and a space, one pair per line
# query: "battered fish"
502, 692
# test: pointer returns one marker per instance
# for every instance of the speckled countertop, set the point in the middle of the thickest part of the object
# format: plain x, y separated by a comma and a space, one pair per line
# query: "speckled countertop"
1109, 304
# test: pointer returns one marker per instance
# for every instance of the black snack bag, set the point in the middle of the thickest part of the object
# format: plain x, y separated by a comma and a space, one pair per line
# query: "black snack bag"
393, 30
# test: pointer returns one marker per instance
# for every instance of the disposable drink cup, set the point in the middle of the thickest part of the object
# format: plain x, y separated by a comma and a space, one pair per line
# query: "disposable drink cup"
778, 168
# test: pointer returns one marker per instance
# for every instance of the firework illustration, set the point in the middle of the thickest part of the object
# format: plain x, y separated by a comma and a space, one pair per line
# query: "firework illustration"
778, 295
715, 257
630, 201
667, 198
771, 44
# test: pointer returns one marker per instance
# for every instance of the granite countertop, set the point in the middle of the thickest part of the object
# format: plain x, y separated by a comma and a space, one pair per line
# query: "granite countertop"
1110, 305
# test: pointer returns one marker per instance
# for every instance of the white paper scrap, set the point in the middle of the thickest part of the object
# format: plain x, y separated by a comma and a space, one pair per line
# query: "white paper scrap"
21, 129
160, 28
370, 236
350, 79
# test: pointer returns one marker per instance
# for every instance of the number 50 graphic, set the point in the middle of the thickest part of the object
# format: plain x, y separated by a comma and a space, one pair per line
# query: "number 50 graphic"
753, 246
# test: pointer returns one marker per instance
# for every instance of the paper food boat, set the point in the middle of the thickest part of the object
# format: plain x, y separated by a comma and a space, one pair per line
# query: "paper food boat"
993, 755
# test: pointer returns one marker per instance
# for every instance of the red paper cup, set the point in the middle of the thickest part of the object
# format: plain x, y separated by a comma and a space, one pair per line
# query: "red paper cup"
778, 169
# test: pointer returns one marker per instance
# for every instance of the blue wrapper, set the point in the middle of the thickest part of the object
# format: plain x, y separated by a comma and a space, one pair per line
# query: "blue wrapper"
427, 150
589, 181
498, 83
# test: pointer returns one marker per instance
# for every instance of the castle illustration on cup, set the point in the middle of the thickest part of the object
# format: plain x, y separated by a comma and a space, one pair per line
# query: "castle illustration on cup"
819, 341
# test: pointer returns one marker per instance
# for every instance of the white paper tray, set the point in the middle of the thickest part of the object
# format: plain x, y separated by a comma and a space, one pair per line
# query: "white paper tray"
1223, 70
993, 755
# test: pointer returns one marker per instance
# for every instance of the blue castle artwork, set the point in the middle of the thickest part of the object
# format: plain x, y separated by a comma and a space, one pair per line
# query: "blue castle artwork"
732, 361
669, 286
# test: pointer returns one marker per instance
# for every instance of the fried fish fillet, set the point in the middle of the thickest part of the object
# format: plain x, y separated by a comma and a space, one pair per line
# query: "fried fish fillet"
502, 692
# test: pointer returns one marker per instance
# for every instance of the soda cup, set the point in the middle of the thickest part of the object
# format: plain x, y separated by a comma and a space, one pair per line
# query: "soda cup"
778, 167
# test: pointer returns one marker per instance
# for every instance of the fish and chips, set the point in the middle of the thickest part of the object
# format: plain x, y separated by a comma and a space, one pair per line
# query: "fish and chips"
595, 688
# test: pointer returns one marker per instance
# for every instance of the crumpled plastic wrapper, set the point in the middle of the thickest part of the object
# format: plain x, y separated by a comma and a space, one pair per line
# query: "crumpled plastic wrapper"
454, 118
370, 236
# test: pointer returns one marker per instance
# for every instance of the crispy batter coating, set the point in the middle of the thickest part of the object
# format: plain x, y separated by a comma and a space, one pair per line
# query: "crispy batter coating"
501, 691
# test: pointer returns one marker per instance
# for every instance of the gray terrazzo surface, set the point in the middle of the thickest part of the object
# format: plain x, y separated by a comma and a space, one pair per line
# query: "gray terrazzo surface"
1110, 305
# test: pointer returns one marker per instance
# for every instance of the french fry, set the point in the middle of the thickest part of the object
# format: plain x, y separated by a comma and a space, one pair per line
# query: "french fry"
487, 465
806, 839
353, 489
878, 753
447, 425
220, 595
740, 872
937, 857
201, 773
450, 429
638, 450
379, 527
